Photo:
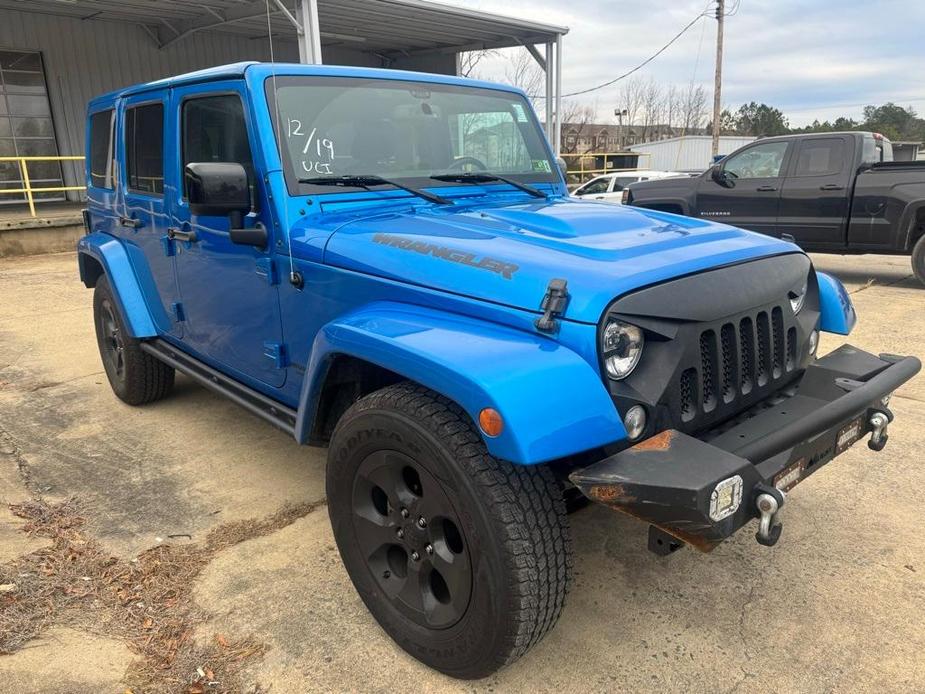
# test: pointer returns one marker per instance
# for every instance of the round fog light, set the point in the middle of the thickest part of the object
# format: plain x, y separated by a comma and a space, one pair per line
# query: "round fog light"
813, 341
634, 421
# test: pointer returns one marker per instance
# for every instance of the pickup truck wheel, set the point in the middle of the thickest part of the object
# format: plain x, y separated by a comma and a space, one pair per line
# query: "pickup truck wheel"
463, 559
918, 260
136, 377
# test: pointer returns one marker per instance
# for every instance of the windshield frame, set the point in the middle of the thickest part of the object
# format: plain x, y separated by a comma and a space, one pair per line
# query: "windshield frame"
424, 181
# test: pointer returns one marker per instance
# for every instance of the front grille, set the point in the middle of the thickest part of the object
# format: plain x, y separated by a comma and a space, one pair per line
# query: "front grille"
736, 363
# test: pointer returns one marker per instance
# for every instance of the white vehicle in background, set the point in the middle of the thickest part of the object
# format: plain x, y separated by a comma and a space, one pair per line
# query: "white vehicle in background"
609, 187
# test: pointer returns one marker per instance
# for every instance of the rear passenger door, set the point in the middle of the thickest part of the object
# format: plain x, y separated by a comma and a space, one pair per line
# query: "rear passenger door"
618, 184
229, 291
141, 218
102, 194
816, 194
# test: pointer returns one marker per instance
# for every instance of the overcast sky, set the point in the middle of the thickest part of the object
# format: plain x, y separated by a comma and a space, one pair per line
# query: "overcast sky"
810, 58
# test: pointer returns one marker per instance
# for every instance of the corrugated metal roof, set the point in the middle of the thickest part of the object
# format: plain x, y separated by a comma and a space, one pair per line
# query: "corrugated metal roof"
383, 26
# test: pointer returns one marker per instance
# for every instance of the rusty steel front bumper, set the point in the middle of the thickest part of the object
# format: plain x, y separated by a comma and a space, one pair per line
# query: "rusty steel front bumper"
700, 490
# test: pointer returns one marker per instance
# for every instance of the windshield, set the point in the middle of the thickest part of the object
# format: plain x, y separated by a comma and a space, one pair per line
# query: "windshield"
407, 131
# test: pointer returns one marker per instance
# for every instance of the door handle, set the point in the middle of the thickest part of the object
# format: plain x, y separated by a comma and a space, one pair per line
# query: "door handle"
599, 197
179, 235
831, 186
130, 222
766, 189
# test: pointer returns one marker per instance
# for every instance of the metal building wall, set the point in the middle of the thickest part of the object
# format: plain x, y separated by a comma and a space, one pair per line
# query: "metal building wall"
86, 58
688, 152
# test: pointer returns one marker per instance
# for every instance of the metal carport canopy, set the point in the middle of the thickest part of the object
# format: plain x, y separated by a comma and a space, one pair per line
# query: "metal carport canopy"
386, 29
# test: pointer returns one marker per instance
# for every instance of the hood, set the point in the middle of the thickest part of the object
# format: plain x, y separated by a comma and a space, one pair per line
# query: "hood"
507, 254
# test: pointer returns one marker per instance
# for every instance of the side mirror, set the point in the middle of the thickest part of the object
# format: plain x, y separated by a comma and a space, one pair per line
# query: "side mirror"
563, 166
218, 189
718, 175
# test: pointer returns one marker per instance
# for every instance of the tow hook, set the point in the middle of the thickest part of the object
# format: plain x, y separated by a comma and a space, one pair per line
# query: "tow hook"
878, 436
769, 503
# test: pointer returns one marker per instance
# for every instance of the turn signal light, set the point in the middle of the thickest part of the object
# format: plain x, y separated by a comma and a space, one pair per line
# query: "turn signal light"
490, 422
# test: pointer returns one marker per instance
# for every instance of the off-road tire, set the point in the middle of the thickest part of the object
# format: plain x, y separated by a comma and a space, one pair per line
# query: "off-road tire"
918, 259
136, 377
514, 529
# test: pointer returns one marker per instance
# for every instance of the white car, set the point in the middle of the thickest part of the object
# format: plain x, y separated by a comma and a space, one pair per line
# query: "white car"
609, 187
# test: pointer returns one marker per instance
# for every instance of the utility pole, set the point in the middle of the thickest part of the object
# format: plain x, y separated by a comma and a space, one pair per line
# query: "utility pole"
718, 83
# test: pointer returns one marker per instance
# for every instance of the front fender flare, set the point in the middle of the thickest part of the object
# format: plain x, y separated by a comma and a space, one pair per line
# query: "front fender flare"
838, 314
112, 257
552, 401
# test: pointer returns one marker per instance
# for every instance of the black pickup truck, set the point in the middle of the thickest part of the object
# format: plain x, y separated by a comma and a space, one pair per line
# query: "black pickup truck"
831, 192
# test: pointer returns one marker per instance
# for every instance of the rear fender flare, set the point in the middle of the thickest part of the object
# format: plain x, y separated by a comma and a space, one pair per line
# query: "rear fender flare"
552, 401
838, 314
909, 225
108, 253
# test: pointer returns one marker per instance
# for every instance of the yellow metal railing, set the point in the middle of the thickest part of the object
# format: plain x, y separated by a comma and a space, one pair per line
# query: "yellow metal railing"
581, 171
28, 188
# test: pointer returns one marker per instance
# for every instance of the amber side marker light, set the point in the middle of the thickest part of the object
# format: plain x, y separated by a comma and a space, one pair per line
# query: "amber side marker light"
490, 422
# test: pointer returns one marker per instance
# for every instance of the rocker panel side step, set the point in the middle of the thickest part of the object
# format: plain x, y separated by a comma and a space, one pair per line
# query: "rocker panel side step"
259, 404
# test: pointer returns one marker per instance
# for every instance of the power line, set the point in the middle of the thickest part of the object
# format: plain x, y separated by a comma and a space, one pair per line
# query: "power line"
639, 66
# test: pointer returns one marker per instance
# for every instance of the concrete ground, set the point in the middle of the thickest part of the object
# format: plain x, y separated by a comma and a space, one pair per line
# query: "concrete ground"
837, 606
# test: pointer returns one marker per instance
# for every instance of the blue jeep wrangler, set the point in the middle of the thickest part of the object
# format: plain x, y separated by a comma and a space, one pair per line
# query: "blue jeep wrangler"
388, 264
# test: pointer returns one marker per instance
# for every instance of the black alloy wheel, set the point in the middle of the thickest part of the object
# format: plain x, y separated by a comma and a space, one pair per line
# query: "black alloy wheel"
409, 532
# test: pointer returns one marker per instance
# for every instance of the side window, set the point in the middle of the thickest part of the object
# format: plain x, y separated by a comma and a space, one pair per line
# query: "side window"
822, 156
621, 182
598, 185
102, 164
144, 148
760, 161
214, 130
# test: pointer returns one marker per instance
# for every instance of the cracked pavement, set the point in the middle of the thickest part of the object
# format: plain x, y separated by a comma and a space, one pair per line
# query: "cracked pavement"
835, 607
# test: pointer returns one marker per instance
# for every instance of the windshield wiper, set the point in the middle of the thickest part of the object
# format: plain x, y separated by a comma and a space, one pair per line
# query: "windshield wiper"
476, 177
366, 181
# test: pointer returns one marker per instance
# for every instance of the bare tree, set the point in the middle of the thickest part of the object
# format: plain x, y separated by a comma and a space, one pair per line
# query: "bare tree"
693, 107
653, 106
524, 72
576, 118
631, 97
672, 107
470, 60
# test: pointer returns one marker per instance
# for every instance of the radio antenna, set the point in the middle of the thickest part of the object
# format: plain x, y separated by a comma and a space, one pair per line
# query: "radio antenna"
295, 278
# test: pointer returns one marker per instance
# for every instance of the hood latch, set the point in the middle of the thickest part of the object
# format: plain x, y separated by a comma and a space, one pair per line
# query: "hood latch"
553, 305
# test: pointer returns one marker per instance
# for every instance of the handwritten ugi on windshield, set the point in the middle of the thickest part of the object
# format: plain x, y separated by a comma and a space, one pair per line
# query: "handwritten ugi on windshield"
317, 153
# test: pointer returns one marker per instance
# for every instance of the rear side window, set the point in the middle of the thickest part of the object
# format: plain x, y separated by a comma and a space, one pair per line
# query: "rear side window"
214, 130
102, 164
821, 157
144, 148
623, 181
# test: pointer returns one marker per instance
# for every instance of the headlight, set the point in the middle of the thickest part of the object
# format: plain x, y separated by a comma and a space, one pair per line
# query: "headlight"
798, 298
621, 347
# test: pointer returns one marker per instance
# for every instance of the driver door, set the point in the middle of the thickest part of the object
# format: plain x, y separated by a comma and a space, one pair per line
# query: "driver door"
229, 291
746, 190
595, 189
